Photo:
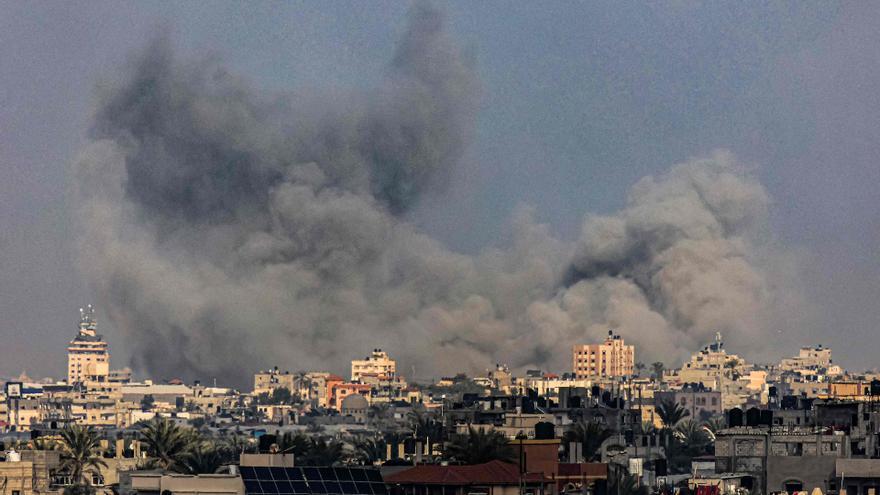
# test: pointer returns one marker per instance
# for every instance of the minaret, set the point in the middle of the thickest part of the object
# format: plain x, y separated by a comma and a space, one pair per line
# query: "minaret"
88, 356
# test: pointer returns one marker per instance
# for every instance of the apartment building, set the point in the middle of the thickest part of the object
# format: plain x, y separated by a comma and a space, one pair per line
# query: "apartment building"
612, 358
88, 355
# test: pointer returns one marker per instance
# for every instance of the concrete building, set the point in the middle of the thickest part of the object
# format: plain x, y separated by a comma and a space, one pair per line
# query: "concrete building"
377, 363
808, 358
612, 358
700, 402
88, 355
29, 472
269, 381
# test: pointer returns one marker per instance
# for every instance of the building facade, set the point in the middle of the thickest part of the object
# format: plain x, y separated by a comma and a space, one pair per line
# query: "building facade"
88, 355
612, 358
377, 363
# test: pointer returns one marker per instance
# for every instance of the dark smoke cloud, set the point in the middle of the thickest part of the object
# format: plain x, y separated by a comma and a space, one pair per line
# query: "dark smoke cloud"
225, 229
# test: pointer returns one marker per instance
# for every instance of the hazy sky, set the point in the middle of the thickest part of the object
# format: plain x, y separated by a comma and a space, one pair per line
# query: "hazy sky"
579, 101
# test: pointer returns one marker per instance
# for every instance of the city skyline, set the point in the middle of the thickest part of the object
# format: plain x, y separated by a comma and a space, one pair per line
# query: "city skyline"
784, 122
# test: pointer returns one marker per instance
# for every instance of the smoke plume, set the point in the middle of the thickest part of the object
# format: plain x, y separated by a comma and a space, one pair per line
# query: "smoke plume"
226, 229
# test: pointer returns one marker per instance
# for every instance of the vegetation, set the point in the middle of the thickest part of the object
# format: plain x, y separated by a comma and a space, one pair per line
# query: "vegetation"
80, 453
322, 452
671, 412
479, 446
425, 427
590, 435
279, 396
370, 450
147, 402
658, 368
168, 443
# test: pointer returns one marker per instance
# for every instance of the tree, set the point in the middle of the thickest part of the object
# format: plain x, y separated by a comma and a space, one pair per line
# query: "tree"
202, 458
425, 427
281, 395
80, 453
167, 442
147, 402
620, 481
322, 453
715, 424
640, 366
671, 412
296, 444
590, 435
480, 446
658, 368
370, 450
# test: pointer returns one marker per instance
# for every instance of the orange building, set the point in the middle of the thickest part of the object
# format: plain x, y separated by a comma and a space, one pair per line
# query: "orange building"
612, 358
339, 390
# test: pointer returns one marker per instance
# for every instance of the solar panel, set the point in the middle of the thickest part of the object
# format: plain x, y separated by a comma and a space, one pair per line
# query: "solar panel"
278, 473
252, 487
312, 481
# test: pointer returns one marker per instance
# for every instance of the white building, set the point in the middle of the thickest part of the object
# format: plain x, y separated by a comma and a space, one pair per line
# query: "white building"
376, 364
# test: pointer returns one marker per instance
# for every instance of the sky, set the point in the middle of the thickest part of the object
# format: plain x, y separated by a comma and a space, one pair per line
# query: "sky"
578, 102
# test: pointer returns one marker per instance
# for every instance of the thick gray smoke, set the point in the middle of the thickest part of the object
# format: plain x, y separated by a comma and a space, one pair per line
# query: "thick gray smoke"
226, 230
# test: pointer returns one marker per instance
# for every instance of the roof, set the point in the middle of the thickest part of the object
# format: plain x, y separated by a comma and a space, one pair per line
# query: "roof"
490, 473
858, 468
584, 470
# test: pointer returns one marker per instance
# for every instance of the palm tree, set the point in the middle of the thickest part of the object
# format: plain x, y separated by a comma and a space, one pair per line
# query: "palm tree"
714, 424
658, 368
480, 446
80, 454
640, 366
590, 435
691, 432
167, 442
370, 450
294, 443
425, 427
624, 483
671, 412
202, 458
323, 452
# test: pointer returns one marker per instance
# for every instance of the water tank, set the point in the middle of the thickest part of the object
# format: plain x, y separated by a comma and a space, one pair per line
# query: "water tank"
753, 416
735, 417
545, 431
13, 456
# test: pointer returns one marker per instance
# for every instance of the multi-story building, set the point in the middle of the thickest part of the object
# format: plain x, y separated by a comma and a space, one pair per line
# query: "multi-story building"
269, 381
88, 356
612, 358
809, 358
377, 363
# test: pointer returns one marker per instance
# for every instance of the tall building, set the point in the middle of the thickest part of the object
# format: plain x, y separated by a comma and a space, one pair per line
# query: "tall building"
378, 364
612, 358
88, 356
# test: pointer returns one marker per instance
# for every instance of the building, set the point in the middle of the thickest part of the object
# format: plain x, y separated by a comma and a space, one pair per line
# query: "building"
377, 363
701, 403
612, 358
808, 358
268, 381
491, 478
29, 472
88, 356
